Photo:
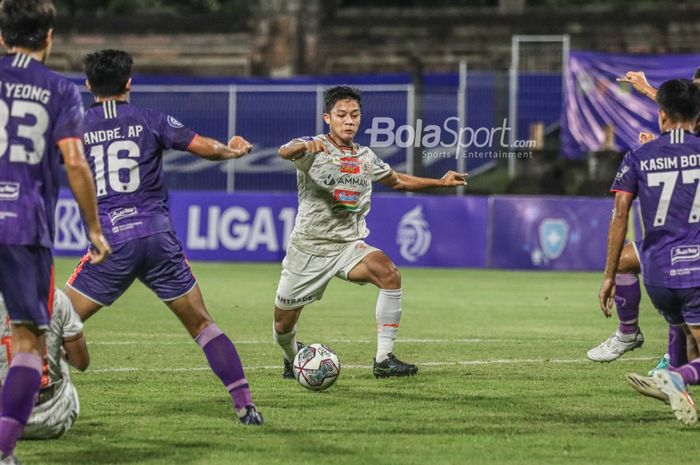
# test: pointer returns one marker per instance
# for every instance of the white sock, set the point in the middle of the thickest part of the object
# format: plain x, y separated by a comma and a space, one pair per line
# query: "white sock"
388, 317
287, 342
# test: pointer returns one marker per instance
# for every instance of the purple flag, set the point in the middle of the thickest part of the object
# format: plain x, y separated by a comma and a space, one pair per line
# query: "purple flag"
593, 99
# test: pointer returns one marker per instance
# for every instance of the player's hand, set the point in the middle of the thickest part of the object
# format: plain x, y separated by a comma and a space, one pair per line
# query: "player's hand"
645, 137
239, 146
100, 249
606, 296
637, 79
315, 146
454, 179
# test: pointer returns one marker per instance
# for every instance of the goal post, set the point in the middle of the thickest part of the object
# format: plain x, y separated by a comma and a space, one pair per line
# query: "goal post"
532, 53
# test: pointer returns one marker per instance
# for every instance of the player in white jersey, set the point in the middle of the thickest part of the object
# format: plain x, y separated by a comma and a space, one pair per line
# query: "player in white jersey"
57, 405
334, 179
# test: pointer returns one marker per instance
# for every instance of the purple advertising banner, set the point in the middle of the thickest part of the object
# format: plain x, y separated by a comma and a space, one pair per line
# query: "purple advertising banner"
431, 231
593, 99
414, 231
516, 232
418, 231
540, 233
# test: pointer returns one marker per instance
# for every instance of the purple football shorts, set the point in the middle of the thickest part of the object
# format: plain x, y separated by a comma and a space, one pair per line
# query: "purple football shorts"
677, 306
26, 283
158, 261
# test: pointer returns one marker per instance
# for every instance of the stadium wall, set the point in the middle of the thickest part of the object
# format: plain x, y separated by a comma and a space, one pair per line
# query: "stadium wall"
285, 38
511, 232
270, 112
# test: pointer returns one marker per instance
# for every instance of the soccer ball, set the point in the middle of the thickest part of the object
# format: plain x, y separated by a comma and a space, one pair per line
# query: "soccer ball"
316, 367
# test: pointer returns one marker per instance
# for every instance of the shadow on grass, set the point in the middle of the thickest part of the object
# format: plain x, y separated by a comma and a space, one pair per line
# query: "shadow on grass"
109, 453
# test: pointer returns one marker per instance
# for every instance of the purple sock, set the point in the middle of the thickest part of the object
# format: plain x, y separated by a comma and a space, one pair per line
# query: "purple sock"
690, 372
225, 363
677, 350
627, 297
18, 396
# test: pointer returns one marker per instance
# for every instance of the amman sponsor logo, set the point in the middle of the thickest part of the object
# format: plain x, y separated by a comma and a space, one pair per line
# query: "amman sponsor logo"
685, 253
120, 213
9, 190
347, 180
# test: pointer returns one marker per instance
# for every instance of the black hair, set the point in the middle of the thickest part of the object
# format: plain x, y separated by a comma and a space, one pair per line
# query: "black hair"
107, 71
334, 94
25, 23
697, 73
680, 99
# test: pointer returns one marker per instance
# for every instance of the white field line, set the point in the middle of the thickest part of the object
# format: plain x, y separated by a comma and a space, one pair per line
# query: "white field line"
424, 364
332, 341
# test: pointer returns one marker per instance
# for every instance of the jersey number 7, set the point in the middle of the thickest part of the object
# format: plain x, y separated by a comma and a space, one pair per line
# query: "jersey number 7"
669, 180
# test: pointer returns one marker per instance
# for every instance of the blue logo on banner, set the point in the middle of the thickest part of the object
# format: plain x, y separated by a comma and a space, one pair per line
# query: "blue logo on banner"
554, 234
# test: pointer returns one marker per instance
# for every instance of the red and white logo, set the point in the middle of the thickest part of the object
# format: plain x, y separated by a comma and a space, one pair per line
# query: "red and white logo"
349, 165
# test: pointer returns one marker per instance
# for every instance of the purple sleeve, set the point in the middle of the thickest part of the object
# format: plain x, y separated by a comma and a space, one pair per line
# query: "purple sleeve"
172, 133
626, 177
69, 120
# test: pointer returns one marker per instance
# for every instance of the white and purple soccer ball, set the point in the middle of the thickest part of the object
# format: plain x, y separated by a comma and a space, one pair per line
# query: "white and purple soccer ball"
316, 367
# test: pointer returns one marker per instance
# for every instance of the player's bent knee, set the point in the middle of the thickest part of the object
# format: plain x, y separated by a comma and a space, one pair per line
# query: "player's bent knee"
390, 278
200, 326
285, 320
627, 268
283, 327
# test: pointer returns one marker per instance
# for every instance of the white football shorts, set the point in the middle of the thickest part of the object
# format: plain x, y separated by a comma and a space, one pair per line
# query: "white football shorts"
305, 276
53, 418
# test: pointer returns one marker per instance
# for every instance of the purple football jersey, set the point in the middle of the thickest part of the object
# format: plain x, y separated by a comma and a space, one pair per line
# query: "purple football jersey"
665, 175
38, 109
124, 146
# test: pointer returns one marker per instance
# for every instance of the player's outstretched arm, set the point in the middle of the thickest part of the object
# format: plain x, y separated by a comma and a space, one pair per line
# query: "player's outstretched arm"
616, 239
406, 182
639, 82
77, 352
292, 151
83, 187
212, 149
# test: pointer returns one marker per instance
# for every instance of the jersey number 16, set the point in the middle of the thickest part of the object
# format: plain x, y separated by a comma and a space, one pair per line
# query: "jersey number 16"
116, 167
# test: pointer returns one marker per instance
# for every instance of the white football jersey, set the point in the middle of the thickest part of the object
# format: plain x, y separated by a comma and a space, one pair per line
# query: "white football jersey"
335, 192
65, 323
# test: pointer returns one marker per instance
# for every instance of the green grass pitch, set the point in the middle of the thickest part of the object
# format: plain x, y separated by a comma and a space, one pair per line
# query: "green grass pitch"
503, 379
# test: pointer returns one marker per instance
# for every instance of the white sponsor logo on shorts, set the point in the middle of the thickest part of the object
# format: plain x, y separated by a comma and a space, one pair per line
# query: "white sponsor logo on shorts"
413, 235
120, 213
685, 253
9, 190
